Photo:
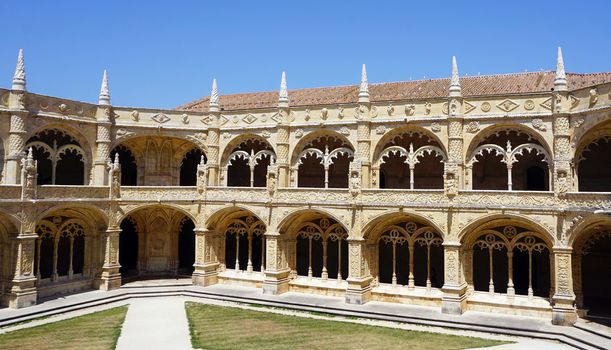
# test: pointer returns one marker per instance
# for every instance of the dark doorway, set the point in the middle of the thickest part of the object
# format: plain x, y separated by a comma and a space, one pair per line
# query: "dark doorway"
128, 248
186, 247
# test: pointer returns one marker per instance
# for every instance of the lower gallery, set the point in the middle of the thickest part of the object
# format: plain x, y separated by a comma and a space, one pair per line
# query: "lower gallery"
488, 193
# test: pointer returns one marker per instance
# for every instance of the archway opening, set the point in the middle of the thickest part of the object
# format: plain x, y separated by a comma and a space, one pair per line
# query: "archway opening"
410, 254
411, 160
128, 247
321, 249
245, 244
60, 249
129, 168
595, 263
324, 163
594, 169
188, 168
61, 159
509, 259
247, 163
509, 160
186, 247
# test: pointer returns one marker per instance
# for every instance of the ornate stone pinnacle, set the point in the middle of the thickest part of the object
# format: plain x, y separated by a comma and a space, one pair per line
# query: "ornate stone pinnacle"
213, 105
283, 97
19, 77
104, 98
364, 89
455, 89
560, 81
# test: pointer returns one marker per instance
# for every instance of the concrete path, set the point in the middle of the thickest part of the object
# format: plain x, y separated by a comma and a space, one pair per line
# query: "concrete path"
155, 323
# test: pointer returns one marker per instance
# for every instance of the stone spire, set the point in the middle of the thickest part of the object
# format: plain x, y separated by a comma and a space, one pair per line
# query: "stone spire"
455, 90
213, 105
283, 97
19, 77
364, 89
104, 98
560, 81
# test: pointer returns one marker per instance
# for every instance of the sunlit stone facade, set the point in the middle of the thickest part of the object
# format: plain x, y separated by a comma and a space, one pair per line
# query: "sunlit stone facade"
488, 193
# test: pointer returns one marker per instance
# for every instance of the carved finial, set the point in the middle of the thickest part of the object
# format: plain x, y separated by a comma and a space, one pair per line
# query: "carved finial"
104, 98
116, 159
202, 161
560, 81
213, 106
283, 97
19, 77
455, 90
30, 154
364, 89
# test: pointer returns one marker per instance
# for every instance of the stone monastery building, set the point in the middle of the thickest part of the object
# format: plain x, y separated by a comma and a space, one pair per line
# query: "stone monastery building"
489, 193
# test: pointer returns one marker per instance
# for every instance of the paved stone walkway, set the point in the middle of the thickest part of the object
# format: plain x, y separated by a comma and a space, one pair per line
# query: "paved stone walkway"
155, 323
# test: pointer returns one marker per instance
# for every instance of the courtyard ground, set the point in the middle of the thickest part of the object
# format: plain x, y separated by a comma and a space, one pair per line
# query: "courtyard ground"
216, 327
98, 330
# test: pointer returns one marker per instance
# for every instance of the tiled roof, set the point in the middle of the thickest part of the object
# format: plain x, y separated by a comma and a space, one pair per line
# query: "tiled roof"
503, 84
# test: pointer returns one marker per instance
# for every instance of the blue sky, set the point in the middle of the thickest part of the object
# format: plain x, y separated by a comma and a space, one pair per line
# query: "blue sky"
165, 53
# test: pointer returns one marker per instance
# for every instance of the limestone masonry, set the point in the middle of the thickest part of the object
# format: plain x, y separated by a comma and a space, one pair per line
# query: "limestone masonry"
489, 193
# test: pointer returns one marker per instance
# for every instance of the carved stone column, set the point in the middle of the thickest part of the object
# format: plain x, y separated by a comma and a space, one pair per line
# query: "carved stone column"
359, 278
282, 147
206, 258
563, 311
276, 268
454, 180
100, 175
454, 287
214, 134
110, 277
23, 286
562, 174
364, 149
17, 139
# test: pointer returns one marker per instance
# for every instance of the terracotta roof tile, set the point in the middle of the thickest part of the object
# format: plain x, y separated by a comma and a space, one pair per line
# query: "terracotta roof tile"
502, 84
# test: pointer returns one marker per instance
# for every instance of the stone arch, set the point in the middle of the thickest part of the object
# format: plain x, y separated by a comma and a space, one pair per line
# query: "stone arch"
315, 244
404, 249
154, 232
508, 255
592, 158
77, 134
309, 137
245, 160
498, 219
240, 239
64, 156
508, 157
178, 208
289, 219
409, 157
321, 159
373, 225
93, 215
65, 246
129, 165
591, 242
8, 230
160, 159
393, 133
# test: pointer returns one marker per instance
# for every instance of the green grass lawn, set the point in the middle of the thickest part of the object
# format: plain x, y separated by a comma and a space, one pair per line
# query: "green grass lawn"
98, 330
216, 327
